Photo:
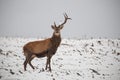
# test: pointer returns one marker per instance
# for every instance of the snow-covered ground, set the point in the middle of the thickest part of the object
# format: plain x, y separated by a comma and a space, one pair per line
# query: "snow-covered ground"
94, 59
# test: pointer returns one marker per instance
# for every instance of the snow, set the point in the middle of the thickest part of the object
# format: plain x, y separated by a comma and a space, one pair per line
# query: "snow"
92, 59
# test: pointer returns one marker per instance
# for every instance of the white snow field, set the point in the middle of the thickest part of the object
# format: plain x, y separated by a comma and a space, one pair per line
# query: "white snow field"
92, 59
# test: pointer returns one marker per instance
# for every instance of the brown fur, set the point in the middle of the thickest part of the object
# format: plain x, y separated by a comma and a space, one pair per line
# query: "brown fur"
38, 46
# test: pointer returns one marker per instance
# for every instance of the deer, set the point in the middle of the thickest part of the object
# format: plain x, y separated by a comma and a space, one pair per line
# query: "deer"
44, 48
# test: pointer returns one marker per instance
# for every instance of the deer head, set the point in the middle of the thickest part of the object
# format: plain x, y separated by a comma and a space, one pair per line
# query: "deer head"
59, 27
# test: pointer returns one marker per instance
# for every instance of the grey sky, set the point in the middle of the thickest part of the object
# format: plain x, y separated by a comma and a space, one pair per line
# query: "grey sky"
33, 18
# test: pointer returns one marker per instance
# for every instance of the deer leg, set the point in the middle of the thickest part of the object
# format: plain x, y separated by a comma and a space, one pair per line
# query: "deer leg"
30, 62
46, 64
26, 61
50, 64
25, 64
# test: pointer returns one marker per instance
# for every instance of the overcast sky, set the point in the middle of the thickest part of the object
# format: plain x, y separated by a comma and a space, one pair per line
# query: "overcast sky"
33, 18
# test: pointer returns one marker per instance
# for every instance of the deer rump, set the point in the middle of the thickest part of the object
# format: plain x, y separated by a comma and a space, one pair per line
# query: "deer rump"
39, 48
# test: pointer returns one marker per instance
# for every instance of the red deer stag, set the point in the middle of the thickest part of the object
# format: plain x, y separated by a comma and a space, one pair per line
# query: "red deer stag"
44, 48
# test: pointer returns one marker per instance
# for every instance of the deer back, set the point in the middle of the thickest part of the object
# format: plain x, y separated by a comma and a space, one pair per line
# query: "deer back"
37, 47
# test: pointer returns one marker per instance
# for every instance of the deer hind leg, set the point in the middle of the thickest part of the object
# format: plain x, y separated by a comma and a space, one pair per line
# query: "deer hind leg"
27, 60
32, 57
46, 64
25, 63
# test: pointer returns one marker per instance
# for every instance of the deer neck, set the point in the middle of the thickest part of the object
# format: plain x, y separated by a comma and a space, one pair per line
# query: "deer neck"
56, 39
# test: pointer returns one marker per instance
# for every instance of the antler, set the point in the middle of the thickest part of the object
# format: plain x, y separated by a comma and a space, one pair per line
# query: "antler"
55, 24
66, 18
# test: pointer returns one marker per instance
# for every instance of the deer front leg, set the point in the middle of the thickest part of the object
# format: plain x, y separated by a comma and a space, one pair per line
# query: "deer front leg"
48, 63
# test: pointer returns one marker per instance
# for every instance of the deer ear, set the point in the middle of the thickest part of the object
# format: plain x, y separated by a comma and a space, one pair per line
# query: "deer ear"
53, 27
61, 27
